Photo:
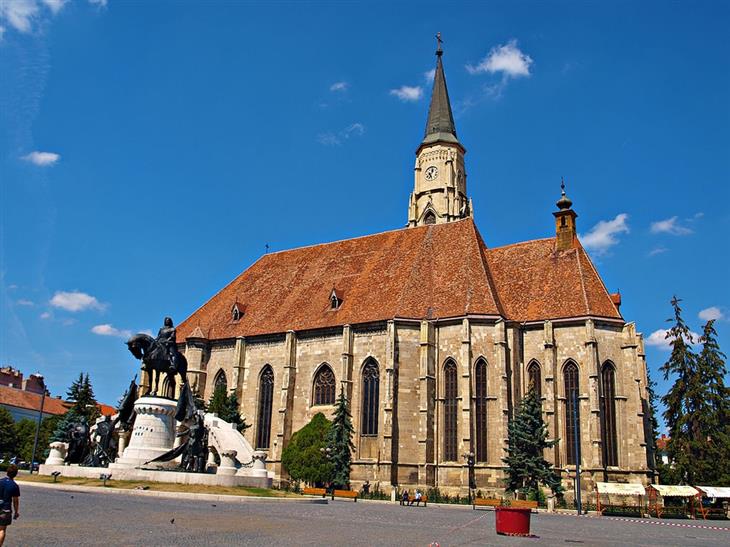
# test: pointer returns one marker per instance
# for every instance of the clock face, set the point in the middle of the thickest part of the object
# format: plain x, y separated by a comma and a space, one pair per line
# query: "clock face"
432, 172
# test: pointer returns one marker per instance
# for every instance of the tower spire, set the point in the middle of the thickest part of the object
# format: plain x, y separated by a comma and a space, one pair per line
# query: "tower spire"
440, 125
565, 229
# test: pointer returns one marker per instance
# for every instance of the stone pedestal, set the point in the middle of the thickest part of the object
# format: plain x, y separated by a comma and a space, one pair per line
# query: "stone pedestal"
228, 462
153, 433
259, 464
57, 453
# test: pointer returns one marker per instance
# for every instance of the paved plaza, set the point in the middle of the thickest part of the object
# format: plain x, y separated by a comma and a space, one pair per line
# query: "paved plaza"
68, 517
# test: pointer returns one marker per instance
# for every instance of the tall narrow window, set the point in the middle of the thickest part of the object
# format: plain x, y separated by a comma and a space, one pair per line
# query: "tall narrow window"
570, 377
370, 398
324, 386
266, 396
221, 381
450, 411
534, 379
608, 414
480, 409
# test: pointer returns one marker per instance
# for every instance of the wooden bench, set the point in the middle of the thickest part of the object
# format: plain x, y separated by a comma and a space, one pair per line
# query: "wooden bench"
314, 492
486, 502
352, 494
523, 504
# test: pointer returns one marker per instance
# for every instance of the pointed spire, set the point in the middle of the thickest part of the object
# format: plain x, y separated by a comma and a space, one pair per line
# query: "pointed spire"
440, 125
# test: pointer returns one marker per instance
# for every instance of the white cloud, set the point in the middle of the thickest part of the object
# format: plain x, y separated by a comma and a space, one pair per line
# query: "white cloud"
659, 340
339, 86
101, 3
75, 301
603, 235
24, 302
430, 75
54, 5
43, 159
108, 330
713, 312
407, 93
46, 315
335, 139
669, 226
657, 251
506, 59
19, 14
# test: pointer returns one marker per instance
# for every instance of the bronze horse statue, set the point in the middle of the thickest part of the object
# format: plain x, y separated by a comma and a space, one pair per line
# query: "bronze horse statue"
156, 360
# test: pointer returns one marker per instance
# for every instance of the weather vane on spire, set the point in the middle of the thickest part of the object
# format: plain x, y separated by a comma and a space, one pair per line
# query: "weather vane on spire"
439, 41
562, 185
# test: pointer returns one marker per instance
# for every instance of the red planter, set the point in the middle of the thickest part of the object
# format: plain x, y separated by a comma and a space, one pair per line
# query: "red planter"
512, 521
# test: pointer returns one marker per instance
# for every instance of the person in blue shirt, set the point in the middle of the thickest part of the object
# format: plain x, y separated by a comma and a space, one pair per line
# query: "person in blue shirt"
9, 501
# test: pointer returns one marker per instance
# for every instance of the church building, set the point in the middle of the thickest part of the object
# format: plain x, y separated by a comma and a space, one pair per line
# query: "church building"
435, 337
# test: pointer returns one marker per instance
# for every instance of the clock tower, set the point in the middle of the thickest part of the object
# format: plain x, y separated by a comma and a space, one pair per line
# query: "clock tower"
439, 193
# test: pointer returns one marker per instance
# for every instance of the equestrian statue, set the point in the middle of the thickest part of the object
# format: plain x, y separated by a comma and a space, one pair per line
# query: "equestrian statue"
159, 355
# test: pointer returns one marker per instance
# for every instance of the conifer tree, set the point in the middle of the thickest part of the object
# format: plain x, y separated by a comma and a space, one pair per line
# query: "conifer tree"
304, 457
716, 414
526, 467
81, 393
227, 407
339, 442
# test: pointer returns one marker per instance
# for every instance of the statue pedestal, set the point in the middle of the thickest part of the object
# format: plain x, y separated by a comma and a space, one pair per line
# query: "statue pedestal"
57, 453
153, 433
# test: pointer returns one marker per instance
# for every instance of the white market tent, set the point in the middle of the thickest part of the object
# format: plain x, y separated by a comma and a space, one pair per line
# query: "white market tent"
609, 489
674, 490
717, 492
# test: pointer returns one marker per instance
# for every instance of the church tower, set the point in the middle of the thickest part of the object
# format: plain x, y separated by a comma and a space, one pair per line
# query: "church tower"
439, 193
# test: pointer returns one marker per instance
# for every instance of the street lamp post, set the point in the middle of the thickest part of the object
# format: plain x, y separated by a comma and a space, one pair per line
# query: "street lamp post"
469, 457
576, 431
38, 425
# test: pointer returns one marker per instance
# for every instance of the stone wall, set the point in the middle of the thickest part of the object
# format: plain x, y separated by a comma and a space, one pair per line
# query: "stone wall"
408, 448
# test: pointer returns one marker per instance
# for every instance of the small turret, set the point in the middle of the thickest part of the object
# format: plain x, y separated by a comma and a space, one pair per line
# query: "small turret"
565, 228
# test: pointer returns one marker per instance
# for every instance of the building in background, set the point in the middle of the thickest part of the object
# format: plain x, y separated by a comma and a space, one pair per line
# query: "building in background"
434, 337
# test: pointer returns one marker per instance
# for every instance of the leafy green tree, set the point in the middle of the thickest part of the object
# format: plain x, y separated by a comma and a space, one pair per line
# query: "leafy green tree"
526, 467
25, 433
339, 442
227, 407
8, 437
305, 457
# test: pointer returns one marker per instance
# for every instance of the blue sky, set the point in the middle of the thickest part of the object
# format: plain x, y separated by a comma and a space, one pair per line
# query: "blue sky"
149, 151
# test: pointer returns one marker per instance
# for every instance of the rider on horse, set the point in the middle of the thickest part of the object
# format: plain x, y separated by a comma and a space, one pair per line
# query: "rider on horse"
166, 337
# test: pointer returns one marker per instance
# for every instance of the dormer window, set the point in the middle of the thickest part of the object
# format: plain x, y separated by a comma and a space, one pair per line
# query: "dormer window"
335, 299
237, 311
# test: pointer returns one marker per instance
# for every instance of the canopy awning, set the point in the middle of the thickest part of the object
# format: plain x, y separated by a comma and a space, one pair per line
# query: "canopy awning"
620, 488
715, 491
674, 490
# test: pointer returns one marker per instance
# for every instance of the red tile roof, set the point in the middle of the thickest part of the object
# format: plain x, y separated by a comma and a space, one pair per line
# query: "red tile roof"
30, 401
436, 271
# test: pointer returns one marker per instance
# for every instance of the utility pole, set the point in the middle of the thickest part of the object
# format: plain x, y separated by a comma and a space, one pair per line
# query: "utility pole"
38, 425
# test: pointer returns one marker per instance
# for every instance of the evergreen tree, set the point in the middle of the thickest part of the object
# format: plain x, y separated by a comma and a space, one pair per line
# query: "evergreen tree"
716, 418
227, 407
305, 457
8, 438
81, 394
61, 431
526, 467
339, 442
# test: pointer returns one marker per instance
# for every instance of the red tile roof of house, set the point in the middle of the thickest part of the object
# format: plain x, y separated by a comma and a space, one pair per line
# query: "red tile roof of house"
436, 271
31, 401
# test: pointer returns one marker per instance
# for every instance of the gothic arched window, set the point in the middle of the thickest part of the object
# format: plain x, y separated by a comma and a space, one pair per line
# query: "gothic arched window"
480, 409
430, 218
324, 386
266, 396
534, 380
608, 414
450, 411
572, 427
370, 398
220, 380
